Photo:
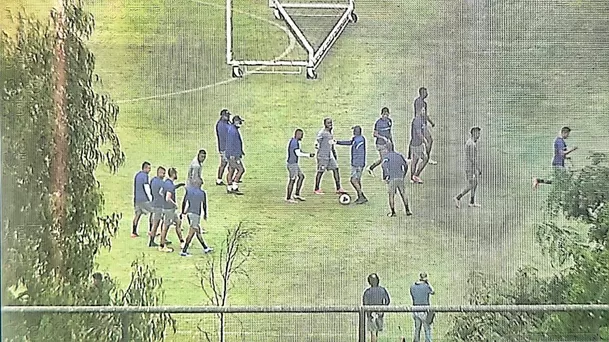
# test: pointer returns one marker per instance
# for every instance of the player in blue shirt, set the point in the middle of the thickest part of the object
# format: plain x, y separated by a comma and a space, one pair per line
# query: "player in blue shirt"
221, 132
358, 161
234, 153
194, 207
394, 170
295, 174
561, 153
169, 211
141, 196
382, 133
158, 201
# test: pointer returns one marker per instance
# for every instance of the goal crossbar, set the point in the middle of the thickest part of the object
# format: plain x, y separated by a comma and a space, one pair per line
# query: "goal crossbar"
314, 56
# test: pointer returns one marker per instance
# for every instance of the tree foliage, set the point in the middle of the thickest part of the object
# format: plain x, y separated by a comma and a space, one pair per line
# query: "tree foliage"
48, 261
578, 201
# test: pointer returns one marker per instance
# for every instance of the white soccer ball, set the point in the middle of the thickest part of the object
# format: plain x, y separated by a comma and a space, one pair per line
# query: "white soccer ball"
344, 199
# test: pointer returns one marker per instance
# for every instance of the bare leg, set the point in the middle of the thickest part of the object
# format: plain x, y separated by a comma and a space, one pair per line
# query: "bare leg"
318, 179
191, 234
336, 174
290, 189
299, 184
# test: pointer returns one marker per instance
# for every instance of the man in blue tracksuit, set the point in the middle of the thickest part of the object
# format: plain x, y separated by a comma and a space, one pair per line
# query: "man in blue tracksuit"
358, 161
234, 154
221, 132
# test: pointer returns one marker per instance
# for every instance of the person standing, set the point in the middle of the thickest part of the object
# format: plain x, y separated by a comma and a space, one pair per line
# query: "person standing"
296, 177
382, 133
326, 157
472, 169
141, 196
394, 170
221, 132
158, 201
420, 108
375, 295
195, 169
358, 161
420, 292
234, 153
561, 153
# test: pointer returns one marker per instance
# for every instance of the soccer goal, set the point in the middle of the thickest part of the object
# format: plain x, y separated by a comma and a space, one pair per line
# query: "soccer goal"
338, 12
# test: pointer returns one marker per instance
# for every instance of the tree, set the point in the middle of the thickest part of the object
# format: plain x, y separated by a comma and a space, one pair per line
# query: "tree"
578, 202
56, 131
217, 276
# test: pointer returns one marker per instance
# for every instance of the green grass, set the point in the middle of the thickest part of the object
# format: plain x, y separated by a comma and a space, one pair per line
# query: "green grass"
519, 73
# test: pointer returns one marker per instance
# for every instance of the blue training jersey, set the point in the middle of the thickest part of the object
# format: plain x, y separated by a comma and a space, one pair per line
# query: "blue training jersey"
234, 144
139, 191
560, 146
196, 198
221, 133
293, 145
169, 187
394, 166
383, 128
358, 150
158, 195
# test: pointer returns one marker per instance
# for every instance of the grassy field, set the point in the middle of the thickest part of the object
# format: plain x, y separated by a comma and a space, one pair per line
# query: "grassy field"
519, 71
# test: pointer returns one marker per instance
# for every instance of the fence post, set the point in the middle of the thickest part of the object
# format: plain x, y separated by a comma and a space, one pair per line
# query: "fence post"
361, 325
125, 318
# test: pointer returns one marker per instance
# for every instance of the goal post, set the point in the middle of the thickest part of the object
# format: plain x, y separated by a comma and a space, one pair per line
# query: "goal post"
344, 11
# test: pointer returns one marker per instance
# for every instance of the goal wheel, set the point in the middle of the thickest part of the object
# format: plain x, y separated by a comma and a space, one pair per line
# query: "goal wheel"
353, 17
277, 14
311, 74
237, 72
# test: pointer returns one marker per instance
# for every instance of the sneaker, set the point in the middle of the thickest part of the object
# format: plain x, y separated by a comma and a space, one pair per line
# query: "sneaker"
535, 183
153, 244
457, 202
416, 179
185, 254
300, 198
134, 235
432, 162
361, 200
392, 214
208, 250
166, 249
318, 192
237, 192
340, 191
371, 172
474, 205
293, 201
408, 213
221, 183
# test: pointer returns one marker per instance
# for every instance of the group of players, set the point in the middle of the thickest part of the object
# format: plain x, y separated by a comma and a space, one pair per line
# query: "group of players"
157, 196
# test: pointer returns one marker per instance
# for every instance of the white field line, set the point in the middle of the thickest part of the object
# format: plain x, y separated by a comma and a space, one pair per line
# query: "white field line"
229, 80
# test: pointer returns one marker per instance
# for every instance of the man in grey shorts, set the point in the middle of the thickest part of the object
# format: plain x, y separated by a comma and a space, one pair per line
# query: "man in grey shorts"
141, 196
417, 148
326, 157
295, 174
158, 201
472, 169
169, 211
394, 170
358, 161
194, 207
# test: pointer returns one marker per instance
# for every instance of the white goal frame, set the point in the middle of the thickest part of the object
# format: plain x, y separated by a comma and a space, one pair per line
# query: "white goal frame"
314, 56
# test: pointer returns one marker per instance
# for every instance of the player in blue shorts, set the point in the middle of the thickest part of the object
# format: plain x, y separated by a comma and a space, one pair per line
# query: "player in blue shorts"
141, 196
221, 132
358, 161
295, 174
561, 153
194, 207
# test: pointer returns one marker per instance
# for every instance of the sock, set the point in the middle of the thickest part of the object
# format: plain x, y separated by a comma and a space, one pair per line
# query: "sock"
185, 249
235, 186
229, 187
338, 185
151, 240
134, 230
471, 200
407, 207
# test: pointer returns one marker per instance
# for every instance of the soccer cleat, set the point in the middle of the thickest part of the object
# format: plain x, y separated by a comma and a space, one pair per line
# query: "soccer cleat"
318, 192
457, 202
208, 250
134, 235
291, 201
340, 191
165, 249
416, 179
432, 162
474, 205
371, 172
300, 198
391, 214
185, 254
535, 183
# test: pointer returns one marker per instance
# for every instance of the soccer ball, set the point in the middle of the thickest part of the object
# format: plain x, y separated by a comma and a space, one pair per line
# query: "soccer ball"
344, 199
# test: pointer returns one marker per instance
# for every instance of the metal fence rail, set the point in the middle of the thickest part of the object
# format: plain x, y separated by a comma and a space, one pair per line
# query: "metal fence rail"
360, 310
